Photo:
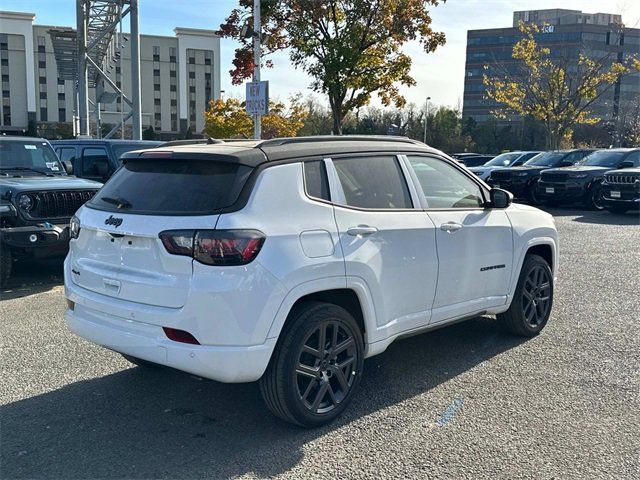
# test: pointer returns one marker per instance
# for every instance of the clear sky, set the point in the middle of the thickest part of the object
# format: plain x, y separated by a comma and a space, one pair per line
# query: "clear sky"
439, 75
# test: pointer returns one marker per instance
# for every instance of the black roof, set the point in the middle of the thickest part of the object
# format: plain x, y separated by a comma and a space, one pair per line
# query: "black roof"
74, 141
256, 152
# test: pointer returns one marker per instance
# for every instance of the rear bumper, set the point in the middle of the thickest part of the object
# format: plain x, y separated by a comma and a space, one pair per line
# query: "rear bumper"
230, 364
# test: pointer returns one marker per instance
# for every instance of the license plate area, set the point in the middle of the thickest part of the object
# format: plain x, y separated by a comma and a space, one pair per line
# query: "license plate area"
615, 194
550, 190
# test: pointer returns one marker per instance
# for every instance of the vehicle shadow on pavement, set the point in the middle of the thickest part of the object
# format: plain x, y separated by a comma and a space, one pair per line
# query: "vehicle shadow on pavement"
595, 217
148, 423
33, 276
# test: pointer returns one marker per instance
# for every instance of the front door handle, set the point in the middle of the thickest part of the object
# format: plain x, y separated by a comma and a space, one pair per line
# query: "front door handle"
450, 227
361, 231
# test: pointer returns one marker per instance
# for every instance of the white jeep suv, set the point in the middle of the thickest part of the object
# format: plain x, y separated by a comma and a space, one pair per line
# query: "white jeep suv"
290, 261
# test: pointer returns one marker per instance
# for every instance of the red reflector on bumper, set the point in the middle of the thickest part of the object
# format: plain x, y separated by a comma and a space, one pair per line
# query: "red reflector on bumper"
180, 336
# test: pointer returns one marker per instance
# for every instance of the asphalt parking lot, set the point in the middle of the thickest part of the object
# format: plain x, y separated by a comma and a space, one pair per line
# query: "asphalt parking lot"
464, 401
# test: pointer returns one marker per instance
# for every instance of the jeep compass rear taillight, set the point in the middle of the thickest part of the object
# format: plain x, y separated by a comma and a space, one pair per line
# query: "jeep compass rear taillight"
214, 247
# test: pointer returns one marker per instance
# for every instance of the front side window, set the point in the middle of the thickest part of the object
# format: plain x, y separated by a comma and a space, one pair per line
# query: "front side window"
444, 186
373, 182
67, 154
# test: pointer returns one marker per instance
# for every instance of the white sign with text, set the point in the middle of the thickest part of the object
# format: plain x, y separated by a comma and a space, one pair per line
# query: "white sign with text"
257, 99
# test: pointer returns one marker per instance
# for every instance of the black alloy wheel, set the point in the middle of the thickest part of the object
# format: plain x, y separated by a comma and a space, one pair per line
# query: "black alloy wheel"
536, 296
531, 305
325, 374
595, 200
534, 198
316, 366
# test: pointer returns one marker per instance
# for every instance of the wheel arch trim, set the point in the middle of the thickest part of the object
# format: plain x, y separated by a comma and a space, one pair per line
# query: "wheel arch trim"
533, 242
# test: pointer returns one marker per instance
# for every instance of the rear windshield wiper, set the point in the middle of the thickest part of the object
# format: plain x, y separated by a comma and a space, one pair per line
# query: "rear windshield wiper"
118, 202
27, 169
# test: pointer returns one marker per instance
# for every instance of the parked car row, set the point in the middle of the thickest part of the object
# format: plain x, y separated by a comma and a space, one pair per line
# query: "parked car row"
597, 179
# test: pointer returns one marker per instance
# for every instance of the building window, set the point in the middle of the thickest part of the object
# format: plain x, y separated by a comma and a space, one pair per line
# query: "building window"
43, 95
156, 101
42, 80
4, 62
40, 41
174, 123
61, 97
207, 57
62, 115
4, 46
156, 53
43, 115
172, 88
6, 116
5, 94
192, 75
156, 87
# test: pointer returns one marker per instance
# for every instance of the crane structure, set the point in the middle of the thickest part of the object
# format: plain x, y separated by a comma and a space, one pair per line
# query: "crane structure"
88, 54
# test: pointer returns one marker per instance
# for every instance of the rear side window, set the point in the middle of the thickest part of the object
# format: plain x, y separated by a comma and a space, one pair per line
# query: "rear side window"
172, 187
315, 180
95, 162
373, 182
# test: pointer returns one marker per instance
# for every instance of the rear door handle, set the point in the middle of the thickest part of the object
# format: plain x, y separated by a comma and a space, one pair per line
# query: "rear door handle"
450, 227
361, 231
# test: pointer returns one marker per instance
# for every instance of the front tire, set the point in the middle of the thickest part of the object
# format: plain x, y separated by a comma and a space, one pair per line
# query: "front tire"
531, 305
532, 195
594, 200
6, 264
316, 366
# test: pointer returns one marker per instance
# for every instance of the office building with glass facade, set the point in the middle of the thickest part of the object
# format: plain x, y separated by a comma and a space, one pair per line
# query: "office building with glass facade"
566, 33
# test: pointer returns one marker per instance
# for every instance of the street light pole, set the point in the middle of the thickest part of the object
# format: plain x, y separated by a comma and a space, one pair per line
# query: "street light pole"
257, 37
426, 118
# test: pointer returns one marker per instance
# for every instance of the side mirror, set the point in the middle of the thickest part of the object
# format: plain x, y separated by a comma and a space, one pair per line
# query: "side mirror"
627, 164
499, 198
68, 167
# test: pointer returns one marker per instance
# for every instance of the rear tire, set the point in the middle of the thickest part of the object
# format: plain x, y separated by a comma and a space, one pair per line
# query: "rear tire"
140, 362
6, 264
531, 304
316, 366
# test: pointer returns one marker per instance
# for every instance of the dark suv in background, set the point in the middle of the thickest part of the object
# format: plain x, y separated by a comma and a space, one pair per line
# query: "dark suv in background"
37, 200
522, 181
582, 183
97, 159
621, 190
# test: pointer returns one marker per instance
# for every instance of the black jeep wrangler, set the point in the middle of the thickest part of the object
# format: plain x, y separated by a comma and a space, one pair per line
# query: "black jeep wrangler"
37, 199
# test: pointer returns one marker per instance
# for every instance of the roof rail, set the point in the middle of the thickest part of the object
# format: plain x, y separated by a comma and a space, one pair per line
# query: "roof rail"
191, 141
275, 142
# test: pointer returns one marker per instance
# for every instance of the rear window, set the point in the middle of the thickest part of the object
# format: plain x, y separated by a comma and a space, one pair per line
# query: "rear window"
172, 187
